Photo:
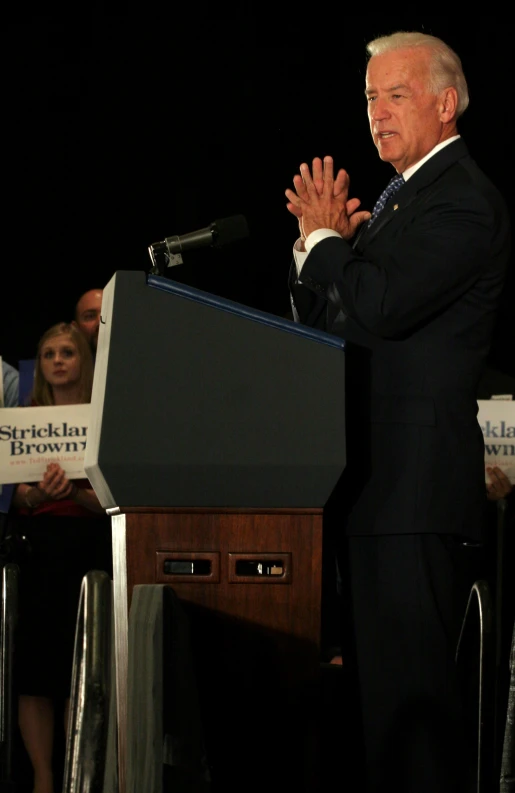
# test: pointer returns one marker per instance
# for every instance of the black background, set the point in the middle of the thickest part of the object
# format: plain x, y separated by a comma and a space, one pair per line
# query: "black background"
121, 130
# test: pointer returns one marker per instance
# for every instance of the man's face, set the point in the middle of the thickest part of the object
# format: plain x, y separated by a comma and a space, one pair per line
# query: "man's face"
405, 118
88, 315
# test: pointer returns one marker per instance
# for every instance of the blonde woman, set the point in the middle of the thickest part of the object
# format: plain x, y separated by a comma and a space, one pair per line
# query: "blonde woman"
69, 535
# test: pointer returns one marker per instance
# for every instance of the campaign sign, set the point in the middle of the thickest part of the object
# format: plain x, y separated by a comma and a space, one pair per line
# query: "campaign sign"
32, 437
497, 420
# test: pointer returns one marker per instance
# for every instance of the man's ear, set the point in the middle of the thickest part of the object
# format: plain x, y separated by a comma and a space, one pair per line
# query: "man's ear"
448, 105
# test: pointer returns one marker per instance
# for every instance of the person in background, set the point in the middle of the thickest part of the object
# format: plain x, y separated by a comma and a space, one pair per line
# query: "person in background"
11, 380
69, 535
498, 553
497, 384
415, 295
11, 396
87, 316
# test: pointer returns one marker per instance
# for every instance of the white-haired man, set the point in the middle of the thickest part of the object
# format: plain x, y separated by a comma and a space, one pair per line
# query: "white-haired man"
413, 287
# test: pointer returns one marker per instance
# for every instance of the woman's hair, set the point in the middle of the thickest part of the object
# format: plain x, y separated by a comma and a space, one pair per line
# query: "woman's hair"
42, 393
445, 65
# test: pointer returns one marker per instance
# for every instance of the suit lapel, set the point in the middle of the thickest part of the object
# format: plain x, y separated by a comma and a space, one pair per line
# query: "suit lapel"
421, 179
398, 203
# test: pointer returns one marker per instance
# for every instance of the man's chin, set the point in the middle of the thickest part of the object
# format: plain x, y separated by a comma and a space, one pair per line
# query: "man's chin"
385, 156
386, 151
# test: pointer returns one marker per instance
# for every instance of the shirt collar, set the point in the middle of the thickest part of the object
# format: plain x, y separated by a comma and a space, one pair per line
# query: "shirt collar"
408, 173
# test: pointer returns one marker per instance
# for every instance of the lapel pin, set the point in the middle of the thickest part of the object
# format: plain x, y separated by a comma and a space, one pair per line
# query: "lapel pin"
396, 206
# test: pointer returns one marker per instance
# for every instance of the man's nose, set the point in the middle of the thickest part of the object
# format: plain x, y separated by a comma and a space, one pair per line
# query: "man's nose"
379, 110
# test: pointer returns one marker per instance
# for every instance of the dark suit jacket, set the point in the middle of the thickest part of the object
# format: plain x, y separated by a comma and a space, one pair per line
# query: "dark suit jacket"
415, 297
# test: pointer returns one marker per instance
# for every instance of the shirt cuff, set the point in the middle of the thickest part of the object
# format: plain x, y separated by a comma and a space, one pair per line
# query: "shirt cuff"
299, 256
317, 236
309, 243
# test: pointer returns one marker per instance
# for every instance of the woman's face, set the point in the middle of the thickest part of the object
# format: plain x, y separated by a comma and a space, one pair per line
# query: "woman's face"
60, 362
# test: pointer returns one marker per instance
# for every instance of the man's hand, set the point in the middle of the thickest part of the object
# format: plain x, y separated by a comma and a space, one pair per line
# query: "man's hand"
322, 201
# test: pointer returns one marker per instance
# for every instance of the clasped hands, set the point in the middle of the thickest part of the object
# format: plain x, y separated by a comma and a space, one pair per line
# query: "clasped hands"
321, 202
55, 485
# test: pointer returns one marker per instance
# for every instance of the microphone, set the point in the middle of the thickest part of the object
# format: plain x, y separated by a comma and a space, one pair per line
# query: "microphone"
220, 232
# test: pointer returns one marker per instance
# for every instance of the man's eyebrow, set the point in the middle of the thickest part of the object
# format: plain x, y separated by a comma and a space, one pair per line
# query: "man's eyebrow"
388, 90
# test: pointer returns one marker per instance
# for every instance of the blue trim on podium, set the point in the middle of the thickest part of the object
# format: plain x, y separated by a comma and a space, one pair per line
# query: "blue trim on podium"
220, 303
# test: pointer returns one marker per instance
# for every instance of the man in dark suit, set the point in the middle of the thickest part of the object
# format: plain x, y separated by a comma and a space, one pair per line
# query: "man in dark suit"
415, 296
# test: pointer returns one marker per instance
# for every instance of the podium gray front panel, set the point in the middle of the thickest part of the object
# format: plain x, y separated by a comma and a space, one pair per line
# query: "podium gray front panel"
197, 404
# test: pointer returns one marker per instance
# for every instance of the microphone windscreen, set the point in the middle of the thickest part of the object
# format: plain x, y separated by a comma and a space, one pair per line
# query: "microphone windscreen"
230, 229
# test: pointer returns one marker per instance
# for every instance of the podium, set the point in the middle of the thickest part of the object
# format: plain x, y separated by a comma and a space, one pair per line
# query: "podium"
217, 435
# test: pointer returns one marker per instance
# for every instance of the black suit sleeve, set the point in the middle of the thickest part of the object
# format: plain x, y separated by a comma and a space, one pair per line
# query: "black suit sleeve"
412, 272
309, 307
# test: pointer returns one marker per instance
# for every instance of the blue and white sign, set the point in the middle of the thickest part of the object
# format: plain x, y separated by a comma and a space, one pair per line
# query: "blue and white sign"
32, 437
497, 420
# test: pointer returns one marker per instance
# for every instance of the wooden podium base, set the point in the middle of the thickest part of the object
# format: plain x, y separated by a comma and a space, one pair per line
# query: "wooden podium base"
250, 582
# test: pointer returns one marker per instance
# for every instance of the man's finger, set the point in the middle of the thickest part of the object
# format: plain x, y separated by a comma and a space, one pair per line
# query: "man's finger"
300, 187
318, 175
307, 180
357, 219
328, 176
341, 183
297, 211
293, 198
352, 205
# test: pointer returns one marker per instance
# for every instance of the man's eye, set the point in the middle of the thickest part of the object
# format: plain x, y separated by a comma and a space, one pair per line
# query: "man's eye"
371, 98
